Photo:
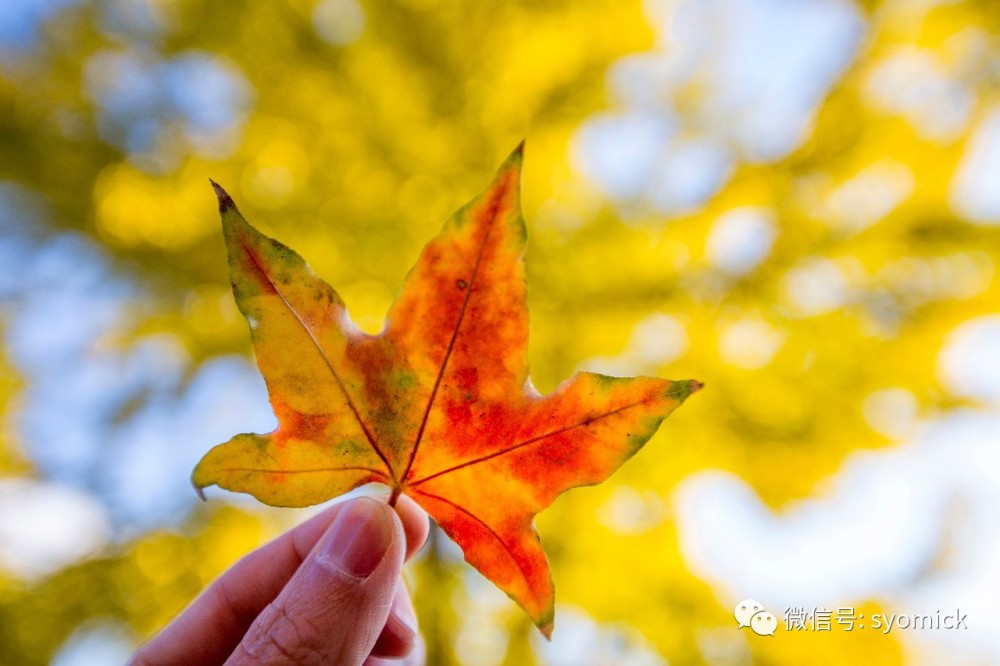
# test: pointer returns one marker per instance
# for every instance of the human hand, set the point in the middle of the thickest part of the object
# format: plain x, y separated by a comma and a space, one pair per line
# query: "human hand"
326, 592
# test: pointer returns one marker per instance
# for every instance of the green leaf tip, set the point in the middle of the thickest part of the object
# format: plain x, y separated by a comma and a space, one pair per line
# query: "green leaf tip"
546, 629
683, 389
225, 201
516, 157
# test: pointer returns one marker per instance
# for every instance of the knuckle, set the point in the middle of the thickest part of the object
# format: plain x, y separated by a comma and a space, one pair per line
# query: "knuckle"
280, 639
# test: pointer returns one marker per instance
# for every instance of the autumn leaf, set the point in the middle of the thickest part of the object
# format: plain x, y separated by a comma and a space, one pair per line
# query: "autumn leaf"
439, 406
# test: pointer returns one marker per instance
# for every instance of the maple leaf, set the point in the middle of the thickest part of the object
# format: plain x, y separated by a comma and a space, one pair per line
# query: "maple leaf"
439, 405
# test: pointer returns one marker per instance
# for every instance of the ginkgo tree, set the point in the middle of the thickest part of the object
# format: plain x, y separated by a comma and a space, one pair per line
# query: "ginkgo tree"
439, 405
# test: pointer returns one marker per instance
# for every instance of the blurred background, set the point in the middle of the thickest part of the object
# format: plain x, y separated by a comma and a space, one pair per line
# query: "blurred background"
794, 201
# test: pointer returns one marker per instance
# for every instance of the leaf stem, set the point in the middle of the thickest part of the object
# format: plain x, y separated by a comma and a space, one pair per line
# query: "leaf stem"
396, 491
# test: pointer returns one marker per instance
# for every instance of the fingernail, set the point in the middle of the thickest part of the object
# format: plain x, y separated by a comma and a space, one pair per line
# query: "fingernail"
359, 537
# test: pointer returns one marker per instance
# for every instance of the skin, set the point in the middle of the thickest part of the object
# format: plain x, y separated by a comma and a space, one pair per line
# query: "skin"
296, 601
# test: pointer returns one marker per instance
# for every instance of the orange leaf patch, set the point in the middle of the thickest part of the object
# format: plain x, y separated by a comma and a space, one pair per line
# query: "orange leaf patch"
439, 406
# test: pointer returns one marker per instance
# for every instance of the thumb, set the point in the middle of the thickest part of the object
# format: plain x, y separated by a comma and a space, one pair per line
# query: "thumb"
336, 604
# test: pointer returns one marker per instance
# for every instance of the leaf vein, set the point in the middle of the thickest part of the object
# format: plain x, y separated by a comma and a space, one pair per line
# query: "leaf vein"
481, 522
528, 442
326, 361
495, 205
317, 470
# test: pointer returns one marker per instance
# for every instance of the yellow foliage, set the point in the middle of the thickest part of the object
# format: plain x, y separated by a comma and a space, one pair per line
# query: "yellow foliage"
353, 149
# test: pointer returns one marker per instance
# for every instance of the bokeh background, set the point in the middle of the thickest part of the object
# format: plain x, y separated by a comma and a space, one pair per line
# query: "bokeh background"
794, 201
